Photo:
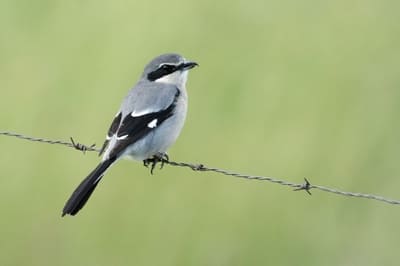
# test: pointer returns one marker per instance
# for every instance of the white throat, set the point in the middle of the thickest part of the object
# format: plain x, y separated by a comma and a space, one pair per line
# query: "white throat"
177, 78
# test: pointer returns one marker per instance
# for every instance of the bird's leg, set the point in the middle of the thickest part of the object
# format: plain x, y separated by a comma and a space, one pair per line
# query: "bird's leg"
146, 162
157, 158
164, 158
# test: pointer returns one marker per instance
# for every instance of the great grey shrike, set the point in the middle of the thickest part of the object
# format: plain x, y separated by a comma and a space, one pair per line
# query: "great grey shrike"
148, 122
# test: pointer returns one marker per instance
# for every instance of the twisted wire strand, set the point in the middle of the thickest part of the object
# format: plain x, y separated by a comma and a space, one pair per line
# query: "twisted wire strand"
306, 186
71, 143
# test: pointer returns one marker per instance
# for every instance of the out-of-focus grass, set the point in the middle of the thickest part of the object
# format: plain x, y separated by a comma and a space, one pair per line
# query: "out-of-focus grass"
286, 89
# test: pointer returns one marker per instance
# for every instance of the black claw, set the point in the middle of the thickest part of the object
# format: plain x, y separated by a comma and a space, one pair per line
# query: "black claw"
157, 158
153, 164
164, 158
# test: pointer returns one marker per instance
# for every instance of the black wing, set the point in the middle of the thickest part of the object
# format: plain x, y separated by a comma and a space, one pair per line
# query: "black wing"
133, 128
111, 131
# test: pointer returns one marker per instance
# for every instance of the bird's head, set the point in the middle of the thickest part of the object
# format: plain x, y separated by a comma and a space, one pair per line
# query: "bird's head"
168, 68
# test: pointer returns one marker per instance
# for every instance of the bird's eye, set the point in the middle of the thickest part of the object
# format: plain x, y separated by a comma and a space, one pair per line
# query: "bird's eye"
167, 67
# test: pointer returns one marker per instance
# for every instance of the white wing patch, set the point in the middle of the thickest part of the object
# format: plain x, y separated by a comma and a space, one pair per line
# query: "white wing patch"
122, 137
153, 123
140, 113
98, 179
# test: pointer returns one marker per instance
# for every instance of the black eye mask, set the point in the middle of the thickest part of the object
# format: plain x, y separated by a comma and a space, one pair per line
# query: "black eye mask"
162, 71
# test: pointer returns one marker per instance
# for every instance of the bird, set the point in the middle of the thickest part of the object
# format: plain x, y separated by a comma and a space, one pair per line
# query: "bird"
147, 123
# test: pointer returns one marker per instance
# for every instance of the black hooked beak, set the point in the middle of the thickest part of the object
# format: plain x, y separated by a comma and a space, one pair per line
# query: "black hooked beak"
187, 65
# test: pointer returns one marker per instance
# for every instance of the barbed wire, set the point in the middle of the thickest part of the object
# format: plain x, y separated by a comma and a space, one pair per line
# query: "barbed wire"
71, 144
306, 185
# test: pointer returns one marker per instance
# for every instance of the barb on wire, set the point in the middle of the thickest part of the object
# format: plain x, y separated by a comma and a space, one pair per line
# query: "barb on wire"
83, 148
306, 186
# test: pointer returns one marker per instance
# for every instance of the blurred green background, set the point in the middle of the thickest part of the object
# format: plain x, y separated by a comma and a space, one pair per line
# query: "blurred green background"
289, 89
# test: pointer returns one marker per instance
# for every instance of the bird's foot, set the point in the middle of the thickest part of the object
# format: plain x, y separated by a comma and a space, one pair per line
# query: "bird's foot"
157, 158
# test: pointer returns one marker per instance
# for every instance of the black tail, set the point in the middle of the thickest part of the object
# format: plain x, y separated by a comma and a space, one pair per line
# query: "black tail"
86, 188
